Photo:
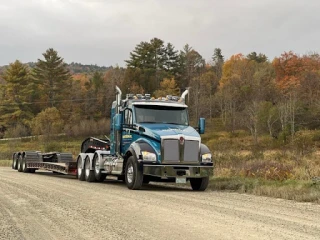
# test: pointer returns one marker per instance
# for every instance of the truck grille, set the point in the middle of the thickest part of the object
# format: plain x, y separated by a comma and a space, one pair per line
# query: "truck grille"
173, 152
191, 151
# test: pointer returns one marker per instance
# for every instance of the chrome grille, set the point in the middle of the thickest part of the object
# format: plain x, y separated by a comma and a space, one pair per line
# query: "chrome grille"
171, 150
191, 151
174, 152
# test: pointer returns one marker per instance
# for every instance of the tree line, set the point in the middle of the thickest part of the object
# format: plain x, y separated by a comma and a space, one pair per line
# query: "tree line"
276, 97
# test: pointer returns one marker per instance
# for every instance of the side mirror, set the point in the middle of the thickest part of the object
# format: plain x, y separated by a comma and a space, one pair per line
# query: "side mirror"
202, 125
118, 122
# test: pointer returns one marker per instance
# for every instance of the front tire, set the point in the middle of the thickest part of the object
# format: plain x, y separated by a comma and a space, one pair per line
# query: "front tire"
199, 184
80, 171
133, 175
89, 174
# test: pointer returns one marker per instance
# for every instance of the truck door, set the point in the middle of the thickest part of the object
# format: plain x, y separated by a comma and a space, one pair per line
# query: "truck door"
127, 130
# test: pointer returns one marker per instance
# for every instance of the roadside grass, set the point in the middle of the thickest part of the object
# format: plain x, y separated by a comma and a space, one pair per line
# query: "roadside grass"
5, 163
302, 191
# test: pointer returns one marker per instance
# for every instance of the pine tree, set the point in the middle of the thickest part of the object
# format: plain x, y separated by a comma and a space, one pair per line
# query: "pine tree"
16, 93
218, 60
53, 76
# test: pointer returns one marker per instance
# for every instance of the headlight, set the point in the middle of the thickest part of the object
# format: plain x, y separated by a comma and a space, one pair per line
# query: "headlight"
148, 156
206, 157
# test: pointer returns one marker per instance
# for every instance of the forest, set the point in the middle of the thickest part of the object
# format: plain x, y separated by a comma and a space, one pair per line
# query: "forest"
275, 97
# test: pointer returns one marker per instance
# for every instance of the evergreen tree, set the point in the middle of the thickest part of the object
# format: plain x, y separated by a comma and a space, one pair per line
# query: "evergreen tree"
218, 60
259, 58
192, 65
53, 76
16, 95
150, 62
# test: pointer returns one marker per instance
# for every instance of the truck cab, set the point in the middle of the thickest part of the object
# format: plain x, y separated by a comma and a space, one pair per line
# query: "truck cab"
151, 140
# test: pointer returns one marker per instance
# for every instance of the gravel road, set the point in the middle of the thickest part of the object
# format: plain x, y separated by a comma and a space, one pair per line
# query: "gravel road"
48, 206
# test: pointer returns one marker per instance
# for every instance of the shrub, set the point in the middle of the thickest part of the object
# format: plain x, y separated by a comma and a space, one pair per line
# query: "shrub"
88, 128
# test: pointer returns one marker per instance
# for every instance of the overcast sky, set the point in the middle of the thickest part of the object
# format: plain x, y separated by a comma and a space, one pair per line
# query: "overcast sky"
103, 32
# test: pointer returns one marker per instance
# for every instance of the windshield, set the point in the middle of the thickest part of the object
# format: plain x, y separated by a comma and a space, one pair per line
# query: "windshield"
161, 114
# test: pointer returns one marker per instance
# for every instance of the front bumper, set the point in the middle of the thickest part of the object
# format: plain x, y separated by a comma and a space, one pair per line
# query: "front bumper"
173, 171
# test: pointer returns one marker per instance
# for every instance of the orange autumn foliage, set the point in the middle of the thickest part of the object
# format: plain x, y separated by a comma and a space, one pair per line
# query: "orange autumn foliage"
291, 69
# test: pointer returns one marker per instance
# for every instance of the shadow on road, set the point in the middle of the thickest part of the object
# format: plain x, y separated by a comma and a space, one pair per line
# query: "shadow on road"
152, 186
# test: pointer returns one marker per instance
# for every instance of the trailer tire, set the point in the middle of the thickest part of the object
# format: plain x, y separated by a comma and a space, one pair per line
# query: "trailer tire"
89, 174
133, 174
13, 157
80, 172
24, 165
99, 176
19, 164
15, 161
199, 184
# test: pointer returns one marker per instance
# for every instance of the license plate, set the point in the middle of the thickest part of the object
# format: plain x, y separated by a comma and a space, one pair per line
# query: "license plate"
181, 180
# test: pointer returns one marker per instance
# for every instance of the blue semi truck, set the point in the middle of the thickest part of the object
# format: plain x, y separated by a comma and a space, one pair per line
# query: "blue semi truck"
150, 140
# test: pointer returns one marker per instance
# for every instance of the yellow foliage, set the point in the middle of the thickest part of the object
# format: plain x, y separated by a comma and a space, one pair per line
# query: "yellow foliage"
47, 122
167, 87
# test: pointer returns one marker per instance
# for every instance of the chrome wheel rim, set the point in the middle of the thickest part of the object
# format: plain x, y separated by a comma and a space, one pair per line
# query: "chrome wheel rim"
79, 168
87, 168
130, 173
19, 163
97, 167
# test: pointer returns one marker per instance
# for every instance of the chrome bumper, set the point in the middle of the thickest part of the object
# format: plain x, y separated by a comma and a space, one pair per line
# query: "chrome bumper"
173, 171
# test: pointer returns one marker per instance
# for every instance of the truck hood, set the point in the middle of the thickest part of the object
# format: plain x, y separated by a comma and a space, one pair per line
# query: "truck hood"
157, 130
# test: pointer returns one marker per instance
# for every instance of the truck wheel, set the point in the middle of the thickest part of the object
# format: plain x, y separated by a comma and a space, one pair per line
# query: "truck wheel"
24, 165
80, 172
199, 184
15, 161
133, 175
19, 165
89, 174
100, 177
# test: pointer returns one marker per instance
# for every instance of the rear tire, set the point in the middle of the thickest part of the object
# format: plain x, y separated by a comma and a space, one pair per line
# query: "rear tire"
199, 184
80, 171
15, 161
13, 158
99, 176
133, 175
89, 174
24, 165
19, 164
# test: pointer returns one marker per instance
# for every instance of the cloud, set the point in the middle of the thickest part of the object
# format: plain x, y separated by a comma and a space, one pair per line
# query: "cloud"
104, 32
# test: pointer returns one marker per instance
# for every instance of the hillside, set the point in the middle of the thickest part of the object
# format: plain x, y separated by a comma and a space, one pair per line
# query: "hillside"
73, 67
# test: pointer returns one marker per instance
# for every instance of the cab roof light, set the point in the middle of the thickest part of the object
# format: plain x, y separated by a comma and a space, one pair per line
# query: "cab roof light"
130, 96
169, 97
147, 96
175, 98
